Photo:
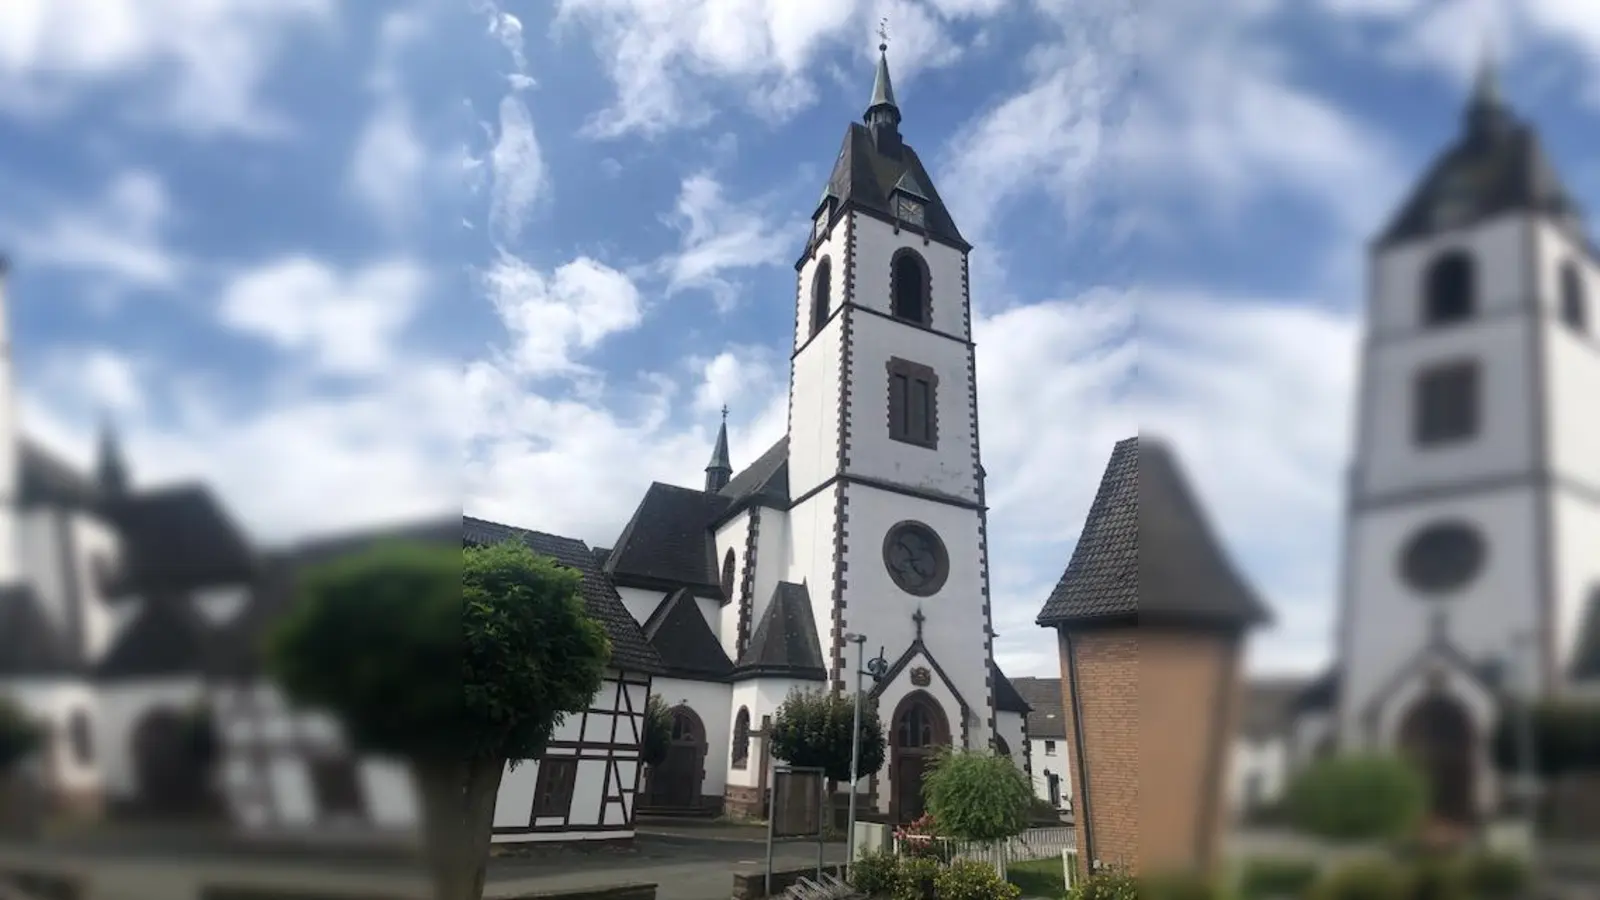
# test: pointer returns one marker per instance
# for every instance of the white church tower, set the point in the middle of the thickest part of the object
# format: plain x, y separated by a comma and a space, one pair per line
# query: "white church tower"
888, 522
1473, 522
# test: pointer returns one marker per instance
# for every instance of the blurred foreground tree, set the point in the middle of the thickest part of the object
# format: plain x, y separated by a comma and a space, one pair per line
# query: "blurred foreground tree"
657, 732
461, 664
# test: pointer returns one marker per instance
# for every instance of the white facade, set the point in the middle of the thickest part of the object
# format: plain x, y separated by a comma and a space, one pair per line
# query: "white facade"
1523, 476
1259, 772
1051, 774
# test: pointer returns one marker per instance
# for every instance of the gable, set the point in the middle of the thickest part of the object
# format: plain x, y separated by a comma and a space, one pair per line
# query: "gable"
668, 543
684, 641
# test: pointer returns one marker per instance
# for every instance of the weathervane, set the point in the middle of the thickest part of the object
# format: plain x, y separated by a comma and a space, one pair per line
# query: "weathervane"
724, 412
883, 35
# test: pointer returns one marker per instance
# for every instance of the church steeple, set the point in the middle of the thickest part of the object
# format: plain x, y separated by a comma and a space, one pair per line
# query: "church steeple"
883, 114
719, 470
111, 472
1486, 112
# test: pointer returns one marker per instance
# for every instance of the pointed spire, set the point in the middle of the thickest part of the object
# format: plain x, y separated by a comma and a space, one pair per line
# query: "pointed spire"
1486, 109
883, 114
719, 471
110, 470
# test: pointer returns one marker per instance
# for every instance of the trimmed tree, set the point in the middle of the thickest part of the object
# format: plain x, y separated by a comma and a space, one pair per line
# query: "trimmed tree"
974, 795
1358, 798
459, 661
812, 728
657, 732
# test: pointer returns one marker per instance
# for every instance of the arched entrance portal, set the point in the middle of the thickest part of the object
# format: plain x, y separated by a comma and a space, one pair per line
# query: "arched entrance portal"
920, 727
1437, 735
170, 779
676, 783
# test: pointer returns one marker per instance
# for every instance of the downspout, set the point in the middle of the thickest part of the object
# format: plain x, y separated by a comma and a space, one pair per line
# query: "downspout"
1085, 821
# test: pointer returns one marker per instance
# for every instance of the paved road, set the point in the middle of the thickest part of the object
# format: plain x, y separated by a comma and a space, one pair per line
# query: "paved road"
690, 863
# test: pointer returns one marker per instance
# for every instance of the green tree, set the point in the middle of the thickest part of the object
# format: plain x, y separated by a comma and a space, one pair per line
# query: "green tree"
460, 664
974, 795
812, 728
1356, 798
20, 735
657, 731
1565, 737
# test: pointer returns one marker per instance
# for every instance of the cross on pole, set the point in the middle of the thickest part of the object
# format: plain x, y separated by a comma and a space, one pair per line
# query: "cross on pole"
883, 34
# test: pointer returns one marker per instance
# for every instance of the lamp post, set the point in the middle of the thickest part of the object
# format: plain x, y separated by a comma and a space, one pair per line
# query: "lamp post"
876, 669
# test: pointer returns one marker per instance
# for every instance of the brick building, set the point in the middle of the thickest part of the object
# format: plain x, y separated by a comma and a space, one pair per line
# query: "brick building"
1151, 619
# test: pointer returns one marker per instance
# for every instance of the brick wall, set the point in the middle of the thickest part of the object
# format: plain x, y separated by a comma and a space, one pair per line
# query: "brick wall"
1151, 725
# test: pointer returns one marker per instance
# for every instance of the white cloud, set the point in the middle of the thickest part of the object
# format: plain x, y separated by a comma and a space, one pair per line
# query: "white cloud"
390, 157
121, 235
552, 319
718, 236
663, 59
208, 56
346, 323
518, 169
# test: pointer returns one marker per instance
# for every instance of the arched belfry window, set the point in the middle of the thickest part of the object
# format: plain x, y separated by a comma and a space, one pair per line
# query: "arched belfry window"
821, 294
908, 287
727, 575
1449, 289
741, 738
1574, 305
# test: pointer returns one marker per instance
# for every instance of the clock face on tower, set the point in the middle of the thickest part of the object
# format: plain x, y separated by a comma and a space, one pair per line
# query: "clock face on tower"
909, 210
916, 558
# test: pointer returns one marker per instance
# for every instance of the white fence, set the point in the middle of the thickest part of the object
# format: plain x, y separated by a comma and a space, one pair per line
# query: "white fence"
1035, 843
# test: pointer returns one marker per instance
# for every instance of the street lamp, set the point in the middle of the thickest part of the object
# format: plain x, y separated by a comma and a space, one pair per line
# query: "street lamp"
876, 669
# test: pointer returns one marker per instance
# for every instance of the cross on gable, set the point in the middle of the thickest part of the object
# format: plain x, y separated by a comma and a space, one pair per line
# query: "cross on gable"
919, 618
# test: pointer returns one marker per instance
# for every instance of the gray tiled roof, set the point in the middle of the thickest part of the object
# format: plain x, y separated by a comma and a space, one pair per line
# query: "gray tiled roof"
1006, 697
1147, 552
685, 642
1102, 578
865, 177
668, 543
785, 642
1047, 719
30, 644
629, 648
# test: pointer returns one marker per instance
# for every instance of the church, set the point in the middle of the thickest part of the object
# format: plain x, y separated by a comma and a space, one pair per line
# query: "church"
1471, 568
868, 518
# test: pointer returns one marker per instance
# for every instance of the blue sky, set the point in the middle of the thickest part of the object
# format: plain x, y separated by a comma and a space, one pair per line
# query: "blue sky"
301, 248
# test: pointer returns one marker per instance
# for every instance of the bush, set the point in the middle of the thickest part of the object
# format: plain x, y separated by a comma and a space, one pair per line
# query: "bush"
1042, 810
1038, 877
875, 874
1566, 737
978, 796
966, 879
1358, 798
1438, 879
912, 872
1369, 880
1494, 876
814, 729
1268, 878
1107, 886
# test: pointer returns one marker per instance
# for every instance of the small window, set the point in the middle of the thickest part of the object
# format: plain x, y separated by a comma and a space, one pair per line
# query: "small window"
336, 785
1049, 748
728, 562
908, 278
1055, 788
741, 739
913, 414
1574, 311
1449, 292
1001, 748
552, 791
1447, 404
81, 737
821, 294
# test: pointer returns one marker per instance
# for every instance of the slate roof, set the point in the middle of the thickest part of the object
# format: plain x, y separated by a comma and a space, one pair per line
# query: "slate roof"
629, 648
1006, 698
1183, 570
865, 177
1047, 720
765, 479
1497, 164
46, 479
176, 539
785, 643
30, 644
685, 642
1321, 694
1269, 707
668, 542
1102, 578
167, 637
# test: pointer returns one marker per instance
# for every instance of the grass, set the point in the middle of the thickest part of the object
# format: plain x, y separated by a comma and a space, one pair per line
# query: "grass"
1038, 877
